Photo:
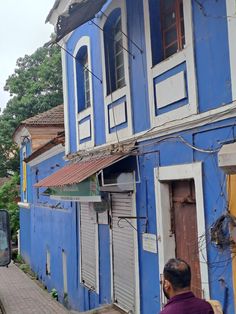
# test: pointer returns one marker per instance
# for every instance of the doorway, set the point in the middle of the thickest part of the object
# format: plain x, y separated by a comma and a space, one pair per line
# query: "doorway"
184, 228
169, 218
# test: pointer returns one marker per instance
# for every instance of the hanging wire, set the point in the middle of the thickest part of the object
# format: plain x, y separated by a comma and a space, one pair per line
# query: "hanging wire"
129, 39
85, 67
204, 13
111, 37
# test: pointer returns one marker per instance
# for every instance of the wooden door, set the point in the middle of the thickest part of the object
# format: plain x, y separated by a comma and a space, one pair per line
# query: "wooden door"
184, 227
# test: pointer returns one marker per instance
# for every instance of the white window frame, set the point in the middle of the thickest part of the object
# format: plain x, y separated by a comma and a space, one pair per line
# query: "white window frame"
127, 132
87, 112
25, 193
163, 175
48, 263
231, 13
117, 37
64, 272
185, 55
96, 247
86, 80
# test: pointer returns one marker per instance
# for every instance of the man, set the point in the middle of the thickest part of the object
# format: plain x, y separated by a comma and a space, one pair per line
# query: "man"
176, 287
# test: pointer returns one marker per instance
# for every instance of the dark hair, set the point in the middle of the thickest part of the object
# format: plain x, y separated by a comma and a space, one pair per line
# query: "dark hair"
178, 273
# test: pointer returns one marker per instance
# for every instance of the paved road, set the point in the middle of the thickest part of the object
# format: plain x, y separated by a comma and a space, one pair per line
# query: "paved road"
21, 295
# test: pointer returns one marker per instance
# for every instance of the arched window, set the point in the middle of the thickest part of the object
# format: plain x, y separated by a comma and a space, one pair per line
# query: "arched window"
114, 54
83, 79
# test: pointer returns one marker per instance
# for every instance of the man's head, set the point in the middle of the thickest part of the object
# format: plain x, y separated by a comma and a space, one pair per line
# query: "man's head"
177, 277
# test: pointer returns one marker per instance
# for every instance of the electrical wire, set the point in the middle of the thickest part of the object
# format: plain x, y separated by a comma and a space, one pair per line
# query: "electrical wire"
204, 13
84, 66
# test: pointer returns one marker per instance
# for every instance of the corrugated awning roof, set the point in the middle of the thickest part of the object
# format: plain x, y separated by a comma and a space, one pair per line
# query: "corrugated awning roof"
78, 172
78, 13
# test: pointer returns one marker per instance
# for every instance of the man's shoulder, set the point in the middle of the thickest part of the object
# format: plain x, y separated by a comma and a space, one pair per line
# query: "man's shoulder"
187, 305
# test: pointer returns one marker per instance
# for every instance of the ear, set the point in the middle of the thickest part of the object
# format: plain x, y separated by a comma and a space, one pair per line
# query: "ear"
167, 284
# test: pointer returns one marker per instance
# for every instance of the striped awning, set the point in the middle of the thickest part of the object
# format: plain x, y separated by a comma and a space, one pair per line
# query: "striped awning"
78, 172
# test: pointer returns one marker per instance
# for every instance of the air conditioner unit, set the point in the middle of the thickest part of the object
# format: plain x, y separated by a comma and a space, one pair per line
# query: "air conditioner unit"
227, 158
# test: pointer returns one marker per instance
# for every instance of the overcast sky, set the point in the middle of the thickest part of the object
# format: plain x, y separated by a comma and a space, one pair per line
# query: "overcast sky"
22, 31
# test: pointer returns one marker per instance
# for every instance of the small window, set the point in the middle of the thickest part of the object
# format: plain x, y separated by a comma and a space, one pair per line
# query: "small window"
114, 54
36, 181
172, 25
83, 79
48, 264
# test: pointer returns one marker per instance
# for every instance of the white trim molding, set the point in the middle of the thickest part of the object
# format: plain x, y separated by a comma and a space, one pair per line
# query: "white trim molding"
184, 56
24, 205
20, 135
163, 175
231, 13
46, 155
88, 112
65, 98
124, 92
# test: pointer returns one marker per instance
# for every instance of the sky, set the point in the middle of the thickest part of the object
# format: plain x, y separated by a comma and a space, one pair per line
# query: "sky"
22, 31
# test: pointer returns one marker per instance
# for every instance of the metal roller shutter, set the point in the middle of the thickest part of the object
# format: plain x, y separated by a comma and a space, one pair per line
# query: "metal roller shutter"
88, 245
123, 253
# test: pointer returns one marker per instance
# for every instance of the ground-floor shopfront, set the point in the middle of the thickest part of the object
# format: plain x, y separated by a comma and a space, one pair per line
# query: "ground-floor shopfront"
169, 199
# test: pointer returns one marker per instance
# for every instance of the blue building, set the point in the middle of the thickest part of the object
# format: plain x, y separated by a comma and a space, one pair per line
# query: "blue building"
149, 96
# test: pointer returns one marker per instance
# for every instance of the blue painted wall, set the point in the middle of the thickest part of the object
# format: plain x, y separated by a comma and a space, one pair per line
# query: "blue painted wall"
212, 54
215, 203
55, 226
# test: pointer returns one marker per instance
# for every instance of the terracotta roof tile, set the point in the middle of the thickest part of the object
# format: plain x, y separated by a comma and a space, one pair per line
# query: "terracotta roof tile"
54, 116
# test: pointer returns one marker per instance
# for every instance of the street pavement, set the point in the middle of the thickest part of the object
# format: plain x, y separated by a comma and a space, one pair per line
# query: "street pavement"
19, 294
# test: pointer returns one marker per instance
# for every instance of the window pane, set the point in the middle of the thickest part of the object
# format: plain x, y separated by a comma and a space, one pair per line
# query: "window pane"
120, 73
182, 33
120, 59
121, 83
171, 50
170, 36
181, 13
169, 19
167, 4
118, 56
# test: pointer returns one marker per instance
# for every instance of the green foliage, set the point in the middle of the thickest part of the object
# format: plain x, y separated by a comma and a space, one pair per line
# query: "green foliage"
54, 294
35, 87
25, 268
9, 193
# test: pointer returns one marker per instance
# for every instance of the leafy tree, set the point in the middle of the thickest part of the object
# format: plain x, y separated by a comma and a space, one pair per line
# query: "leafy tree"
35, 86
9, 193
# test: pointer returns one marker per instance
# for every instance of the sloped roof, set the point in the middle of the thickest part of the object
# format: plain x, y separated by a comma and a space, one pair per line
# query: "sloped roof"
78, 172
54, 116
60, 139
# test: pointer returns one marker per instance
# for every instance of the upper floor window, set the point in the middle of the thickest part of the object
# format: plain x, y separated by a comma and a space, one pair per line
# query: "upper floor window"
172, 25
167, 28
83, 79
114, 55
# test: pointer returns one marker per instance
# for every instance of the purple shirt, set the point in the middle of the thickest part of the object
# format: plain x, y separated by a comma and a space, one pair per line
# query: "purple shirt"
187, 303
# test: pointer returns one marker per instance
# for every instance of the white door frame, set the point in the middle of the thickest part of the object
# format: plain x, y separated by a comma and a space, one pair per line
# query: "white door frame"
136, 250
162, 177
